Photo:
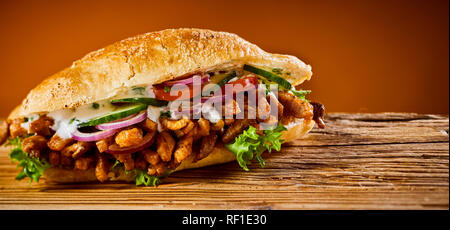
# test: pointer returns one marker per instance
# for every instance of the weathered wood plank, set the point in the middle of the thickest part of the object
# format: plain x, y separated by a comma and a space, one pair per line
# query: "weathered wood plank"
364, 129
360, 161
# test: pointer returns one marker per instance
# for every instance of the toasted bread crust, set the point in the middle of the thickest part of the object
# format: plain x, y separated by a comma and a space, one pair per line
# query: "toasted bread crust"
149, 59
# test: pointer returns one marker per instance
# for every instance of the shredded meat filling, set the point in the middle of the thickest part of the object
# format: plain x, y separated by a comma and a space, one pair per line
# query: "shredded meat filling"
183, 131
175, 124
3, 131
103, 144
149, 125
16, 129
34, 145
230, 108
140, 162
151, 157
295, 106
56, 143
183, 149
206, 146
54, 158
174, 143
219, 125
157, 170
84, 163
76, 150
129, 137
275, 105
203, 127
127, 160
41, 126
263, 109
165, 145
235, 129
319, 112
102, 167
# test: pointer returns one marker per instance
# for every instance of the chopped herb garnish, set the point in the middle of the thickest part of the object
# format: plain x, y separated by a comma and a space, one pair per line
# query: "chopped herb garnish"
116, 166
300, 93
138, 90
289, 74
32, 118
14, 142
166, 89
142, 100
142, 178
72, 120
165, 114
277, 70
95, 105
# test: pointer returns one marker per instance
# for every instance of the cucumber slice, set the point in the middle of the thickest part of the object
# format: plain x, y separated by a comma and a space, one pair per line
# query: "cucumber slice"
269, 76
142, 100
226, 78
220, 80
119, 113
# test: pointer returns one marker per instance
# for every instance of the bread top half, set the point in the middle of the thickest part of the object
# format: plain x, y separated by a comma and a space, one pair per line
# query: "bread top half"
149, 59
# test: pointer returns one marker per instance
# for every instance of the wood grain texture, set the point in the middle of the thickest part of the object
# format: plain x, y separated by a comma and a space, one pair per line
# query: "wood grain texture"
360, 161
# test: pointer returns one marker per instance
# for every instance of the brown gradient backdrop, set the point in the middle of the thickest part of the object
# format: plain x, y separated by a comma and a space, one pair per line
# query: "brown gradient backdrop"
369, 56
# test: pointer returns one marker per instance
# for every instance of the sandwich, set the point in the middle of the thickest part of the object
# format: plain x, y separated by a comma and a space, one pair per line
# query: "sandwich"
151, 105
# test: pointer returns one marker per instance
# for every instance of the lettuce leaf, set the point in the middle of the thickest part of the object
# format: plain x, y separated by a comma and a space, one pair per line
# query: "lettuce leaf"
250, 145
32, 168
141, 176
244, 146
300, 93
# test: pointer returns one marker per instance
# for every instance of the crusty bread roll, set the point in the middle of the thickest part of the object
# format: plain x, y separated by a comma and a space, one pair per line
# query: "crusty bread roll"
150, 59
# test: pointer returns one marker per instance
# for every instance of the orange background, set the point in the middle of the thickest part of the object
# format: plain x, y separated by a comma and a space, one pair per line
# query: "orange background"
367, 56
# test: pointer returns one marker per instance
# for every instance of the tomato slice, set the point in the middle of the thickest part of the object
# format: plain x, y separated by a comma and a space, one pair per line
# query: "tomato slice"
163, 93
247, 83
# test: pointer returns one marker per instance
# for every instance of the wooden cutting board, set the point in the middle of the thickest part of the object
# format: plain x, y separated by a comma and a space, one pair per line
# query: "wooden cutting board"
360, 161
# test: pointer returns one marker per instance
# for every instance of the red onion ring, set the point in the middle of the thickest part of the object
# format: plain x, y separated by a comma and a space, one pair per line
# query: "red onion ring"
146, 142
205, 78
131, 120
215, 99
86, 137
188, 81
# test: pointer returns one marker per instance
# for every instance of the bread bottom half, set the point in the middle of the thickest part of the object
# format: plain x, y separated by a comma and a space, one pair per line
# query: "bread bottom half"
219, 155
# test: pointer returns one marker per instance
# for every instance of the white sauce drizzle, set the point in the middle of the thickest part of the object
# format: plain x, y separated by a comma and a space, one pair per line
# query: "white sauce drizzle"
66, 120
26, 125
153, 113
210, 114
